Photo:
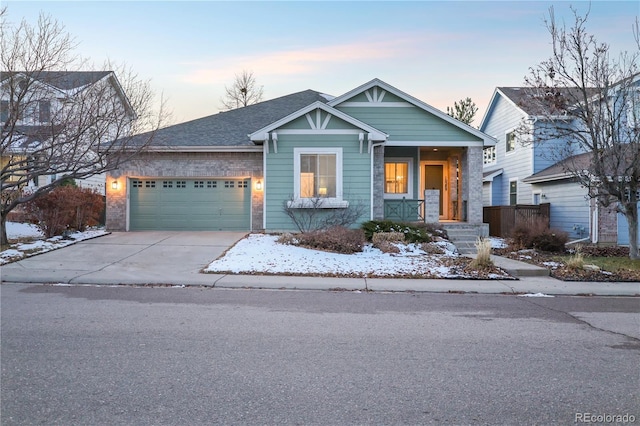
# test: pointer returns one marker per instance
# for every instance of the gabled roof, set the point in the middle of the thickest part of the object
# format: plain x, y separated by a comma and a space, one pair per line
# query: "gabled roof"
487, 140
62, 80
489, 176
559, 170
230, 128
374, 134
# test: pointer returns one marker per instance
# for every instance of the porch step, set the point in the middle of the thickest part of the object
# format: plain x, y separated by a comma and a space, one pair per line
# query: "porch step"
464, 235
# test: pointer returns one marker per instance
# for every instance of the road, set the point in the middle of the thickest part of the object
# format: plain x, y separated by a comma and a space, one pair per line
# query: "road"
175, 356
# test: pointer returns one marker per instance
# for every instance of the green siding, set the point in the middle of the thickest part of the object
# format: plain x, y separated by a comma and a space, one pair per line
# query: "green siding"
362, 97
279, 178
409, 124
198, 205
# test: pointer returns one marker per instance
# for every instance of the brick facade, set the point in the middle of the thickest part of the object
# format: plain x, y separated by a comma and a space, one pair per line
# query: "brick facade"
185, 165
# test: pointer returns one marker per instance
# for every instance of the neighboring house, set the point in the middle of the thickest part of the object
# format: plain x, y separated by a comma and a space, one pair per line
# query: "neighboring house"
374, 147
522, 170
49, 94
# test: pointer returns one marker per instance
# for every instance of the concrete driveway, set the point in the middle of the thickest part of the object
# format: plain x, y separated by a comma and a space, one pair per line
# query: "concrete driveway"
153, 257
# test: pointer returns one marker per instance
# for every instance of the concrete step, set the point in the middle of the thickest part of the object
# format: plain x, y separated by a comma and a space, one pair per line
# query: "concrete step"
515, 267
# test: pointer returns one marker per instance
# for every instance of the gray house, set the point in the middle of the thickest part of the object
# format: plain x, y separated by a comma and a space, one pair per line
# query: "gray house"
520, 169
374, 146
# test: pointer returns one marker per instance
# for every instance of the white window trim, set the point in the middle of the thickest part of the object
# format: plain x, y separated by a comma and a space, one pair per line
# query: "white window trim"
329, 202
407, 195
515, 140
509, 191
492, 155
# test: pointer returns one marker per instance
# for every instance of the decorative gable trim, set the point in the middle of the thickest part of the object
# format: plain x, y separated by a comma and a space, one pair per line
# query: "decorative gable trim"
375, 91
313, 115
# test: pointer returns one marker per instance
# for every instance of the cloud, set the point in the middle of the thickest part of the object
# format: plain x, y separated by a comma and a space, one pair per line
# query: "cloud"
364, 53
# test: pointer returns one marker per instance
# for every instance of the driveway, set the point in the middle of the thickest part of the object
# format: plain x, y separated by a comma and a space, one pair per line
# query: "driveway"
154, 257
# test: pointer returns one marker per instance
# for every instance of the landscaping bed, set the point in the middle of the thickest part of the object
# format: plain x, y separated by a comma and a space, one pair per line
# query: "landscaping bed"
601, 264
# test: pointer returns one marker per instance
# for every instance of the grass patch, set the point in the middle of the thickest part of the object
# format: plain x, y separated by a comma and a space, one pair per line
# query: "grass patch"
611, 264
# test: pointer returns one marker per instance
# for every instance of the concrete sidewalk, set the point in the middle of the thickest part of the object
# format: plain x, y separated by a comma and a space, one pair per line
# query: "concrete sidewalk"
176, 258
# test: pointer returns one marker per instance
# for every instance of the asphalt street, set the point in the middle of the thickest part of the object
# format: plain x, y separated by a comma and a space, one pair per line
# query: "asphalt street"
105, 355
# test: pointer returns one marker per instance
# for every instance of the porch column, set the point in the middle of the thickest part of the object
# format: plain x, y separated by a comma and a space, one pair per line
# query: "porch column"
378, 183
472, 184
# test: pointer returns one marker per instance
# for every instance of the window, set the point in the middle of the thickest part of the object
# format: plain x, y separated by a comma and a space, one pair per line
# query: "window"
489, 155
511, 141
398, 177
4, 111
318, 174
513, 192
45, 111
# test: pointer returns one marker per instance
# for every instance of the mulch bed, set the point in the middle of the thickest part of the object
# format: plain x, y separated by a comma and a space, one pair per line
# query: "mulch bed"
560, 270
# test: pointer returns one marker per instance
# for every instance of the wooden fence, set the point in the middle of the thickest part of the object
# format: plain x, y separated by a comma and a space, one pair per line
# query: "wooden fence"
502, 219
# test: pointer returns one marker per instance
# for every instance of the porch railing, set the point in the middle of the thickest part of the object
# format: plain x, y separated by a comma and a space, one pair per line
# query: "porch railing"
404, 210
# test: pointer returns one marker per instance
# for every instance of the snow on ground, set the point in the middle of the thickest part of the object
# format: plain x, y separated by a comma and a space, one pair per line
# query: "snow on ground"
37, 243
260, 253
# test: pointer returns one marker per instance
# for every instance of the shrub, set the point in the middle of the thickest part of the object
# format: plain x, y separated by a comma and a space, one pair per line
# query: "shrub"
337, 239
390, 237
414, 233
65, 207
387, 247
523, 233
576, 261
552, 240
483, 256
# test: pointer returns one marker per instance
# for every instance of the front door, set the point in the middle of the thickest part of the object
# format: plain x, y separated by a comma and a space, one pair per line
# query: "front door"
435, 177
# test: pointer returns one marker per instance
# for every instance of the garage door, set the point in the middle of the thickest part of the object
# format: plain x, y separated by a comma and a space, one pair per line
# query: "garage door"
185, 204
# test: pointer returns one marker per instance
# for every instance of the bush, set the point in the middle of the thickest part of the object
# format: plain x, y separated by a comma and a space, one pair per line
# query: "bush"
552, 240
577, 260
483, 256
65, 207
337, 239
389, 237
413, 233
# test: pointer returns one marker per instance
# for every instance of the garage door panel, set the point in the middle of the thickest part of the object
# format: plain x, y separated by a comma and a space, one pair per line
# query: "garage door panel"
202, 204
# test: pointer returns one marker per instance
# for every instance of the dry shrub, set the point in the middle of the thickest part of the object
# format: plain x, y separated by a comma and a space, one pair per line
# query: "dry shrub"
536, 234
483, 256
391, 237
336, 239
387, 247
287, 239
430, 248
65, 207
576, 261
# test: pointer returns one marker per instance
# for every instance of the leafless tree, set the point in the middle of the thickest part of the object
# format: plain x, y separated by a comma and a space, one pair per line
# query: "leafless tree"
464, 111
243, 92
58, 130
586, 102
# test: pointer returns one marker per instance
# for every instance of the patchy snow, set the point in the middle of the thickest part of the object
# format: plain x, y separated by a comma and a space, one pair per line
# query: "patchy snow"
22, 230
498, 243
535, 295
552, 264
37, 243
260, 253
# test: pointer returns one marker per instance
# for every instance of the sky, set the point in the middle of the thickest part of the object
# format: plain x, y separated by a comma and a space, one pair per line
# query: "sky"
437, 51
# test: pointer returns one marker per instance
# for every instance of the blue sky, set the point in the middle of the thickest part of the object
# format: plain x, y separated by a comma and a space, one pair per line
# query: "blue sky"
437, 51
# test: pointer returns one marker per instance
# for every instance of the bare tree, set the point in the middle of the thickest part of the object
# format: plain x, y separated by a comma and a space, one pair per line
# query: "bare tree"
243, 92
53, 129
464, 111
587, 106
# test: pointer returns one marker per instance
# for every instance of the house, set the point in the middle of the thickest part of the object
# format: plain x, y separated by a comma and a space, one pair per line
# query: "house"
375, 147
523, 169
32, 107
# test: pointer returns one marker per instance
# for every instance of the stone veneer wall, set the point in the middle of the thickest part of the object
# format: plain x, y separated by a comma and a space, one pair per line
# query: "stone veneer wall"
472, 183
185, 165
378, 183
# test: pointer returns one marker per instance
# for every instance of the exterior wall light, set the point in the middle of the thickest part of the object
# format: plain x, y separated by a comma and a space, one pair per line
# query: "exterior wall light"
114, 185
258, 185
